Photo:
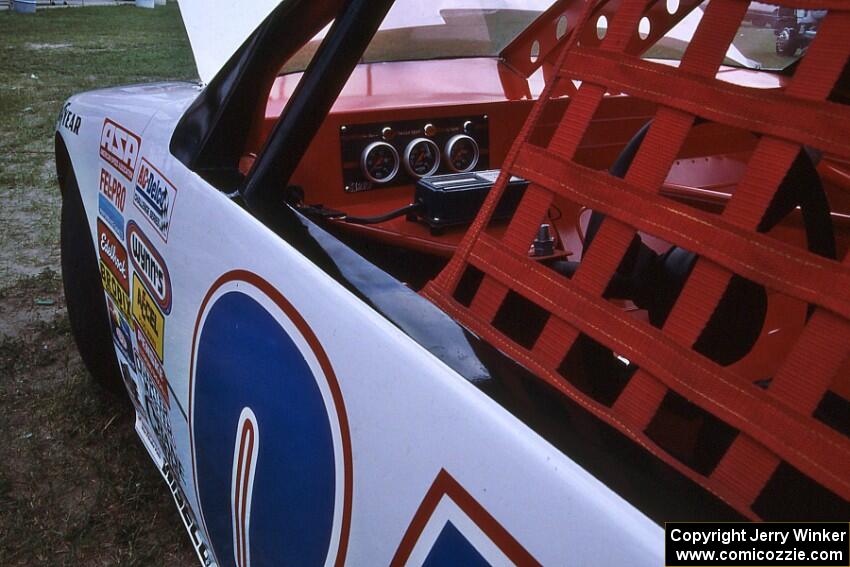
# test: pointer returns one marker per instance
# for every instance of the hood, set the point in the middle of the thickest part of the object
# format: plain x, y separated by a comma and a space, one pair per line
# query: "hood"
217, 28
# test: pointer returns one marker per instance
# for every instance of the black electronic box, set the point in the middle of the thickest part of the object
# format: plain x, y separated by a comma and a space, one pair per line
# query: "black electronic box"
455, 198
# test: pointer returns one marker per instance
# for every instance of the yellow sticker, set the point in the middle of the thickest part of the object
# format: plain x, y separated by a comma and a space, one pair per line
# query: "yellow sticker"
148, 316
114, 288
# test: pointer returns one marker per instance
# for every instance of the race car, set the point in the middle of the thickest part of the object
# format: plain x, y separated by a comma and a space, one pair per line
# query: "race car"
481, 282
796, 29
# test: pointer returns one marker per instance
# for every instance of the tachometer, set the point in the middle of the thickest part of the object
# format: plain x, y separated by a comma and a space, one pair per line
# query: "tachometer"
462, 153
379, 162
421, 157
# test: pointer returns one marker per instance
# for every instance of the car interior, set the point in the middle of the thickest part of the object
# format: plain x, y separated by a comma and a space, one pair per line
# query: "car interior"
401, 167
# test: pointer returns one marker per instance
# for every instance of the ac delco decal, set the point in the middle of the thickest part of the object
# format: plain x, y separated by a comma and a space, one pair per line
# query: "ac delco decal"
114, 190
147, 314
112, 254
150, 266
154, 196
119, 148
114, 288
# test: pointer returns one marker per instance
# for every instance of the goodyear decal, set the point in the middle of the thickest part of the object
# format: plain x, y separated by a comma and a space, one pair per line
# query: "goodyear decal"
113, 189
148, 358
154, 196
69, 120
114, 288
147, 314
150, 266
119, 148
113, 254
110, 214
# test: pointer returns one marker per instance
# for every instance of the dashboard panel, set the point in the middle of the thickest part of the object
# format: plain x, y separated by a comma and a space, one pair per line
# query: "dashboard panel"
386, 107
393, 153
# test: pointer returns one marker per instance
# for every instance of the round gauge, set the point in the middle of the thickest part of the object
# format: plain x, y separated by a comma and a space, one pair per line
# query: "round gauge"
462, 153
379, 162
421, 157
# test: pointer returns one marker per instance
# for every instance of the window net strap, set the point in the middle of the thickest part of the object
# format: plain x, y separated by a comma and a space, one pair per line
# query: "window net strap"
775, 424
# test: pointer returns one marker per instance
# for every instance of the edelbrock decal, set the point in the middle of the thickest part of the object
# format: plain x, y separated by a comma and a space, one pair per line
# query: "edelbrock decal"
69, 120
113, 189
119, 148
147, 314
112, 253
154, 196
149, 266
110, 214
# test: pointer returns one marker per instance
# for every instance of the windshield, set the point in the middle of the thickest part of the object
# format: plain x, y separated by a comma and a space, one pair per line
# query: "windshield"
439, 29
770, 37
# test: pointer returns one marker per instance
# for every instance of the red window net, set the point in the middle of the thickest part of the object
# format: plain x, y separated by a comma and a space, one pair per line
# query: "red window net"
774, 422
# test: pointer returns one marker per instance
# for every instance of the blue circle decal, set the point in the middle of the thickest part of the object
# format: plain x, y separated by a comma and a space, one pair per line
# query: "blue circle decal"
263, 440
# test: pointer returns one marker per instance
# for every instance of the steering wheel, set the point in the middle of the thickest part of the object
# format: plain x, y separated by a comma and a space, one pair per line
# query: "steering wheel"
653, 281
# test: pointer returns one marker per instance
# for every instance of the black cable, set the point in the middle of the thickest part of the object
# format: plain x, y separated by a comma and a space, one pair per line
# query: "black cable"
384, 217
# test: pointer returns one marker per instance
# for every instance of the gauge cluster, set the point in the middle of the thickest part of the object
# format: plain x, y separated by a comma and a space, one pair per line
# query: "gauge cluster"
400, 153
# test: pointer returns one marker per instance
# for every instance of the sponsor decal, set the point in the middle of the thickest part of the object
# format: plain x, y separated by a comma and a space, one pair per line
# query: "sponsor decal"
157, 417
148, 316
69, 120
120, 331
114, 190
452, 528
242, 488
114, 288
150, 266
111, 215
147, 357
112, 253
130, 384
154, 196
188, 518
249, 423
119, 148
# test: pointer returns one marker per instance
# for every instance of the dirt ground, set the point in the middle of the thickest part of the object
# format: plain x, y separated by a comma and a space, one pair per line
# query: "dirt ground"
76, 485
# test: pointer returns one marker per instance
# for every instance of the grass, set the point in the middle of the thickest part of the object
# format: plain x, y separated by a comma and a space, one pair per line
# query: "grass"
45, 59
756, 43
76, 486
